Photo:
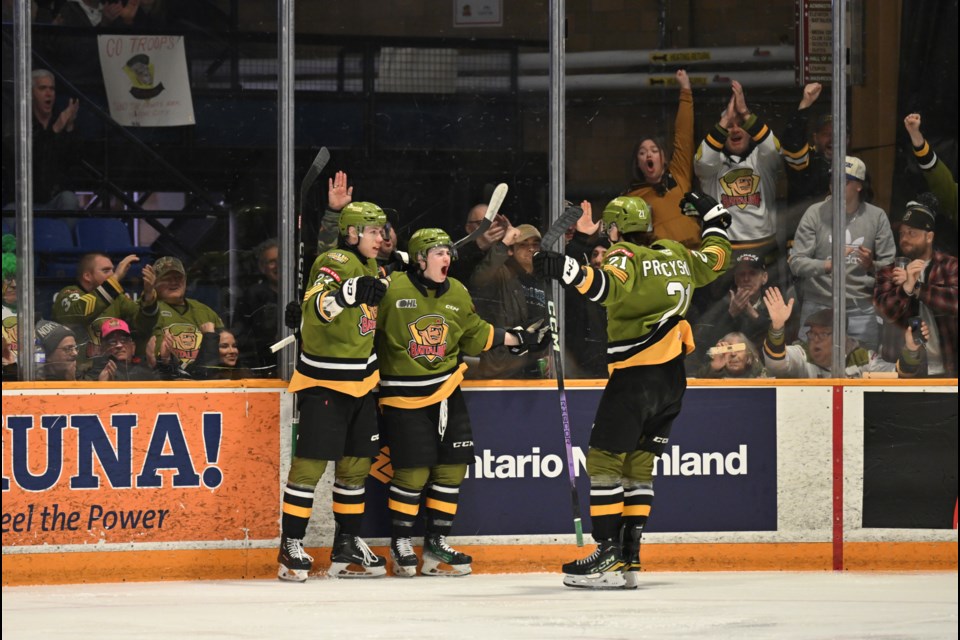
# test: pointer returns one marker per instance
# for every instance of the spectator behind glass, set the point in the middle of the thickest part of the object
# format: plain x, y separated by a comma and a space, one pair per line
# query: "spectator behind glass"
744, 313
869, 246
55, 148
59, 346
472, 253
808, 166
219, 357
813, 358
177, 334
11, 337
924, 287
510, 295
118, 360
737, 164
256, 318
98, 286
138, 14
939, 180
733, 356
661, 185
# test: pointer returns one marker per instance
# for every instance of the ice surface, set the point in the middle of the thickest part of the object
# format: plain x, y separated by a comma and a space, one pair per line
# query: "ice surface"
743, 605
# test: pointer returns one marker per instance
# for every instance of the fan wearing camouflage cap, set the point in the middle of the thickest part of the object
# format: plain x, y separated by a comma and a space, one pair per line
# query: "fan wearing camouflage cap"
178, 331
427, 323
645, 286
335, 373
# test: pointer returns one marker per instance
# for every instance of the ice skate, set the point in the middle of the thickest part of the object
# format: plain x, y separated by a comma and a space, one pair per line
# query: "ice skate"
440, 559
602, 569
630, 547
295, 563
404, 558
352, 558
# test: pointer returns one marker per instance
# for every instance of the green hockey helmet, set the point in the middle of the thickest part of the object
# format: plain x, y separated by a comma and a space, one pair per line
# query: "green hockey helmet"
360, 215
628, 214
425, 239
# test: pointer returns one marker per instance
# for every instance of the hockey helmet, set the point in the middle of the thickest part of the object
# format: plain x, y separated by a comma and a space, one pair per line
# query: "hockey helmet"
628, 214
425, 239
360, 215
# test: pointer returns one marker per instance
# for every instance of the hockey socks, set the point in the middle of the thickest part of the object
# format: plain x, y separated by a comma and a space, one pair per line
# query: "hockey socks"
350, 557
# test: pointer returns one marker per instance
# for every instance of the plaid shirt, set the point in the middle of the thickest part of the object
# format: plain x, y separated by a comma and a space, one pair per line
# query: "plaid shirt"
938, 293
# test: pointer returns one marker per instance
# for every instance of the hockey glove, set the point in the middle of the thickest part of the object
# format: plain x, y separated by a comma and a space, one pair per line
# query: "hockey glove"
399, 262
361, 290
550, 264
292, 315
709, 210
530, 338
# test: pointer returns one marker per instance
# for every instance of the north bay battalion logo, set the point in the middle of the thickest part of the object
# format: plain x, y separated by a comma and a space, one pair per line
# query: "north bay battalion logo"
429, 335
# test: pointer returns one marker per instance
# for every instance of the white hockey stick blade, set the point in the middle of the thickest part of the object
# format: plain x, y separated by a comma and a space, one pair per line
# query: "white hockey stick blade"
496, 201
280, 344
727, 348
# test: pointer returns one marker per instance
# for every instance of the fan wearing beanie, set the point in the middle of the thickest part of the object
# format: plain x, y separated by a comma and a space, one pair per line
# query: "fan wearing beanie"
59, 346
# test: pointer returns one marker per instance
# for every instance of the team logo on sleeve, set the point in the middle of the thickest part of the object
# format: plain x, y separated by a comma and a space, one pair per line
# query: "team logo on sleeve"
429, 335
368, 319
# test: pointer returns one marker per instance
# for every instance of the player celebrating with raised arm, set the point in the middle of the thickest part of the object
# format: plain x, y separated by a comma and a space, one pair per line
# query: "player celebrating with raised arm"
426, 324
645, 286
335, 373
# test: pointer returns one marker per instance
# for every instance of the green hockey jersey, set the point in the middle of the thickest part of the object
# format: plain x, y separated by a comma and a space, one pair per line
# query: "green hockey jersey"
421, 335
336, 351
647, 291
182, 323
75, 308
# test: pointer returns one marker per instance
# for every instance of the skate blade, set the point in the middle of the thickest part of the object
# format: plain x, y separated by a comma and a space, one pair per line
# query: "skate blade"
443, 570
352, 570
404, 572
631, 580
292, 575
606, 580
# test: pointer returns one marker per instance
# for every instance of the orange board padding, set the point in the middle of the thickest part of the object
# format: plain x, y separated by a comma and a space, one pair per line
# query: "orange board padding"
250, 564
156, 468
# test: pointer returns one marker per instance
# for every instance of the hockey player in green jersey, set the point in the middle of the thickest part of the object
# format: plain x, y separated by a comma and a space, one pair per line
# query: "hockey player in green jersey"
426, 324
645, 286
335, 373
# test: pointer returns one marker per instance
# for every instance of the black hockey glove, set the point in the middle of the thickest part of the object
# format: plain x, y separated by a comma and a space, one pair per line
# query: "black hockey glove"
361, 290
532, 337
292, 315
709, 210
550, 264
399, 262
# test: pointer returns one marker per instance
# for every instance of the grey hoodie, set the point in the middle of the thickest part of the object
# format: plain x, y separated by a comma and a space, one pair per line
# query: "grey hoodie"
868, 227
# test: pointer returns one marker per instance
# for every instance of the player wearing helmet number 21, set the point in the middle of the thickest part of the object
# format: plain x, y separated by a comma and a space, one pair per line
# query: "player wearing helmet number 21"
335, 373
645, 285
426, 323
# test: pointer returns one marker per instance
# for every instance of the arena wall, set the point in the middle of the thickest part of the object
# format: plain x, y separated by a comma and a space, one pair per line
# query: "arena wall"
170, 482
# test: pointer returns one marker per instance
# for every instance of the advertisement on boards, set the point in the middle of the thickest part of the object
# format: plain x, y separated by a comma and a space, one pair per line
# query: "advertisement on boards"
718, 472
156, 467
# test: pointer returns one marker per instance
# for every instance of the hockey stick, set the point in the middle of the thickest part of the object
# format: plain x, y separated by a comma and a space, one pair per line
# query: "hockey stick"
319, 163
569, 216
496, 200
